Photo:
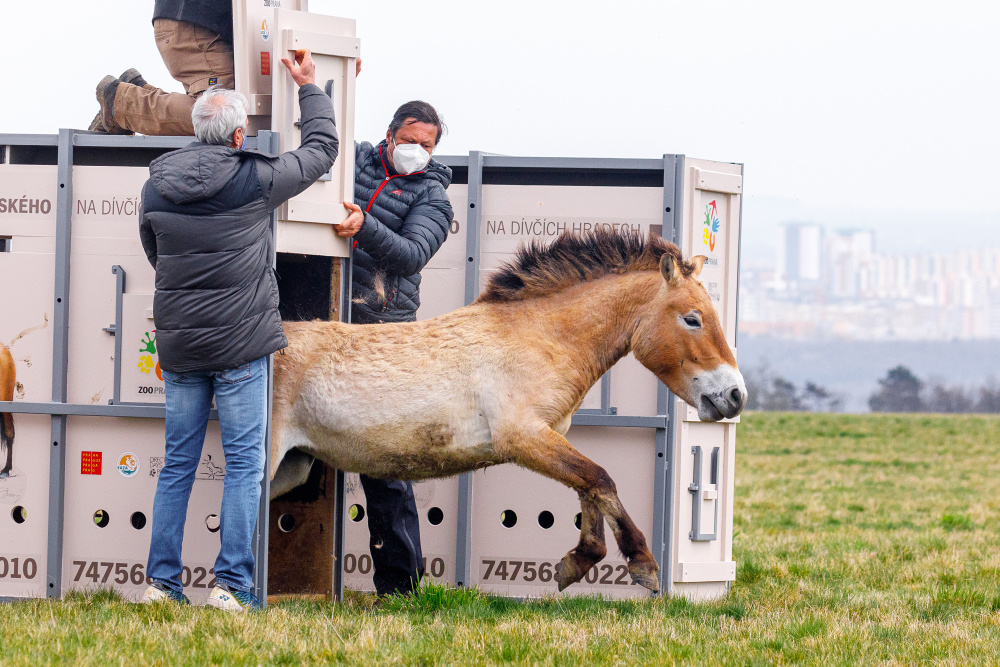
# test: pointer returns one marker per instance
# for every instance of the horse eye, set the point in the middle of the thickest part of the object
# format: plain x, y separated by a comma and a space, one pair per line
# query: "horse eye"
692, 321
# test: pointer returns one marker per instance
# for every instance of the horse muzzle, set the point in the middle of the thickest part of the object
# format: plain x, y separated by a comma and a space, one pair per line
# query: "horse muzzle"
722, 394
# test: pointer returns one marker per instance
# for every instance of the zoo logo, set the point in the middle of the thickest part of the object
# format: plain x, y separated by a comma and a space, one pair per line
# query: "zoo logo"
147, 364
128, 464
712, 223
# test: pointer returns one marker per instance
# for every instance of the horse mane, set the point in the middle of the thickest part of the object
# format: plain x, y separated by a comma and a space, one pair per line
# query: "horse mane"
539, 270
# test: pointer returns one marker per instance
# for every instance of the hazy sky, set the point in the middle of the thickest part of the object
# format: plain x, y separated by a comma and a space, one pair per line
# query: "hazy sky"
849, 104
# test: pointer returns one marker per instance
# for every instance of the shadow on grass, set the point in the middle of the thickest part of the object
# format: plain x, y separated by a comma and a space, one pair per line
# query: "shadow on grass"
442, 599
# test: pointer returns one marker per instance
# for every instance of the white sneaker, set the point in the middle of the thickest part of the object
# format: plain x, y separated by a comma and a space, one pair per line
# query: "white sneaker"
223, 598
155, 593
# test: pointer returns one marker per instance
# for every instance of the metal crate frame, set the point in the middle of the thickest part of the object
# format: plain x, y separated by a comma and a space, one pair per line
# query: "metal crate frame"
479, 168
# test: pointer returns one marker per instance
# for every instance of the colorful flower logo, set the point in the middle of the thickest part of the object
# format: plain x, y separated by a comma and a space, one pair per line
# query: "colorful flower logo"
712, 223
147, 364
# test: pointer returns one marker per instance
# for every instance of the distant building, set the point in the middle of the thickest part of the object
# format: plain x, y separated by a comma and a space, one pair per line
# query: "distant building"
848, 252
799, 254
993, 314
834, 284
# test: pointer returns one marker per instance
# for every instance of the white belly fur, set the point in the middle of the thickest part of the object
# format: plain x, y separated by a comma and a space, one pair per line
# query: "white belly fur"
379, 433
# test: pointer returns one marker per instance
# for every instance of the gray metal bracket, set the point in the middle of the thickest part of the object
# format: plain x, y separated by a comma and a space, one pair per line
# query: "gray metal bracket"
116, 331
696, 492
60, 362
340, 487
473, 225
665, 463
268, 140
606, 407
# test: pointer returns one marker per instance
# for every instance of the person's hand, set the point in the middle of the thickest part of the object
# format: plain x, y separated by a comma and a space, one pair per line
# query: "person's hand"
357, 67
303, 70
352, 223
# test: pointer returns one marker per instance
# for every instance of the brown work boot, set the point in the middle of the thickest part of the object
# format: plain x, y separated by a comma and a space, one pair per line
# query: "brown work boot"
132, 76
104, 121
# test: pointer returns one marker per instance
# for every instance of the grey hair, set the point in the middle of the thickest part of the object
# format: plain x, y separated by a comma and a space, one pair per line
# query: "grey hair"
217, 114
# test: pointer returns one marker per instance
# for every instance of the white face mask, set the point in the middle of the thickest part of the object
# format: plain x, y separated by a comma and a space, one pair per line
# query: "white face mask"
408, 158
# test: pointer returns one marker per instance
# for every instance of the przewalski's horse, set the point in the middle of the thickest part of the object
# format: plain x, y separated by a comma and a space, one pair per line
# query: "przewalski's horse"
8, 378
498, 381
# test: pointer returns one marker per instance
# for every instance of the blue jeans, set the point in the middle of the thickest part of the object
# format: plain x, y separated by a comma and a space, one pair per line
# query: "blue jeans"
241, 398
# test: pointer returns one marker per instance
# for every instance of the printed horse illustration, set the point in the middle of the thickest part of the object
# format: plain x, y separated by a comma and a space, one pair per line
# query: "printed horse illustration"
8, 383
8, 379
499, 380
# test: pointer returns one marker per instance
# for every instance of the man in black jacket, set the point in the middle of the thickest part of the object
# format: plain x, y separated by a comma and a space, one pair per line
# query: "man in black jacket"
204, 225
399, 218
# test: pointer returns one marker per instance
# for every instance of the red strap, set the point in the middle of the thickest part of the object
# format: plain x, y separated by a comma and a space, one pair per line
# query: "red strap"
378, 190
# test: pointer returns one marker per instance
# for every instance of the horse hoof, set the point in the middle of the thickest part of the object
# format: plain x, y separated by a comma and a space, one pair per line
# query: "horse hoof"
644, 574
566, 573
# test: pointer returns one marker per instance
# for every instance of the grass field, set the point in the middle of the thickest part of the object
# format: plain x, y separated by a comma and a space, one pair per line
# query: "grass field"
860, 540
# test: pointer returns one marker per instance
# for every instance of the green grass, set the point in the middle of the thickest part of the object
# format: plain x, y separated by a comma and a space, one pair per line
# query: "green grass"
860, 540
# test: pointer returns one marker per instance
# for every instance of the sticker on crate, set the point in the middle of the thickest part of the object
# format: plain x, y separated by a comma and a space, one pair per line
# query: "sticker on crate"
208, 469
90, 463
155, 465
128, 464
499, 571
148, 360
436, 566
18, 568
128, 576
711, 224
211, 471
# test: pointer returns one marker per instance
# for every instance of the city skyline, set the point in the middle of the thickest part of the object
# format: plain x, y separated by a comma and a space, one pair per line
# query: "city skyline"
836, 283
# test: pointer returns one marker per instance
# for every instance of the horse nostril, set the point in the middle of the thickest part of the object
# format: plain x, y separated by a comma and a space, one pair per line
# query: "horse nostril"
736, 396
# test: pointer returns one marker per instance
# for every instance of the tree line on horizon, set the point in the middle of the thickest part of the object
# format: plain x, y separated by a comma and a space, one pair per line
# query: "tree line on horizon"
899, 391
902, 391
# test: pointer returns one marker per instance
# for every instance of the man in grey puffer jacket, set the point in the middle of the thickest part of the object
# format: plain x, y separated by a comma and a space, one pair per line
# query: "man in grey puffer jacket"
204, 225
399, 218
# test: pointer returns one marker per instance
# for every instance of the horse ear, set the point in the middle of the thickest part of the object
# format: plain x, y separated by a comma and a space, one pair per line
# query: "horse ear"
670, 269
698, 261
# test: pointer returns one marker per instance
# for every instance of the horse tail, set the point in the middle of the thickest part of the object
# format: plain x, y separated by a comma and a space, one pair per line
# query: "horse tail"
7, 379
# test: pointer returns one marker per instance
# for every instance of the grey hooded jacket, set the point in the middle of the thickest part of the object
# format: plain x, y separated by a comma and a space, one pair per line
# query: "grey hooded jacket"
204, 224
407, 219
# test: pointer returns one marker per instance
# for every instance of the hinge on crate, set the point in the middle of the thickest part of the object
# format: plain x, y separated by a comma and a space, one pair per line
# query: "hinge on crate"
700, 495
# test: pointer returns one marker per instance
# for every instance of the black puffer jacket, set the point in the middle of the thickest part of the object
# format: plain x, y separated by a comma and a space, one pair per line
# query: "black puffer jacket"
406, 222
204, 225
216, 15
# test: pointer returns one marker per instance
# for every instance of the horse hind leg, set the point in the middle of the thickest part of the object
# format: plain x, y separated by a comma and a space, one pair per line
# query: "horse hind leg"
292, 471
591, 549
550, 454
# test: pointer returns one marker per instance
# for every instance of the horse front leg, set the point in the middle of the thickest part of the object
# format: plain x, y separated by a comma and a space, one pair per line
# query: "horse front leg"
550, 454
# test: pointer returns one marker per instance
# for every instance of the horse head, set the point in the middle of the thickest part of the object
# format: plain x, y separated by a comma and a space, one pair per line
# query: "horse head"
680, 339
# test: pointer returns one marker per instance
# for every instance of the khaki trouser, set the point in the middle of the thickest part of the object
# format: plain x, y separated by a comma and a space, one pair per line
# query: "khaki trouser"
194, 56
